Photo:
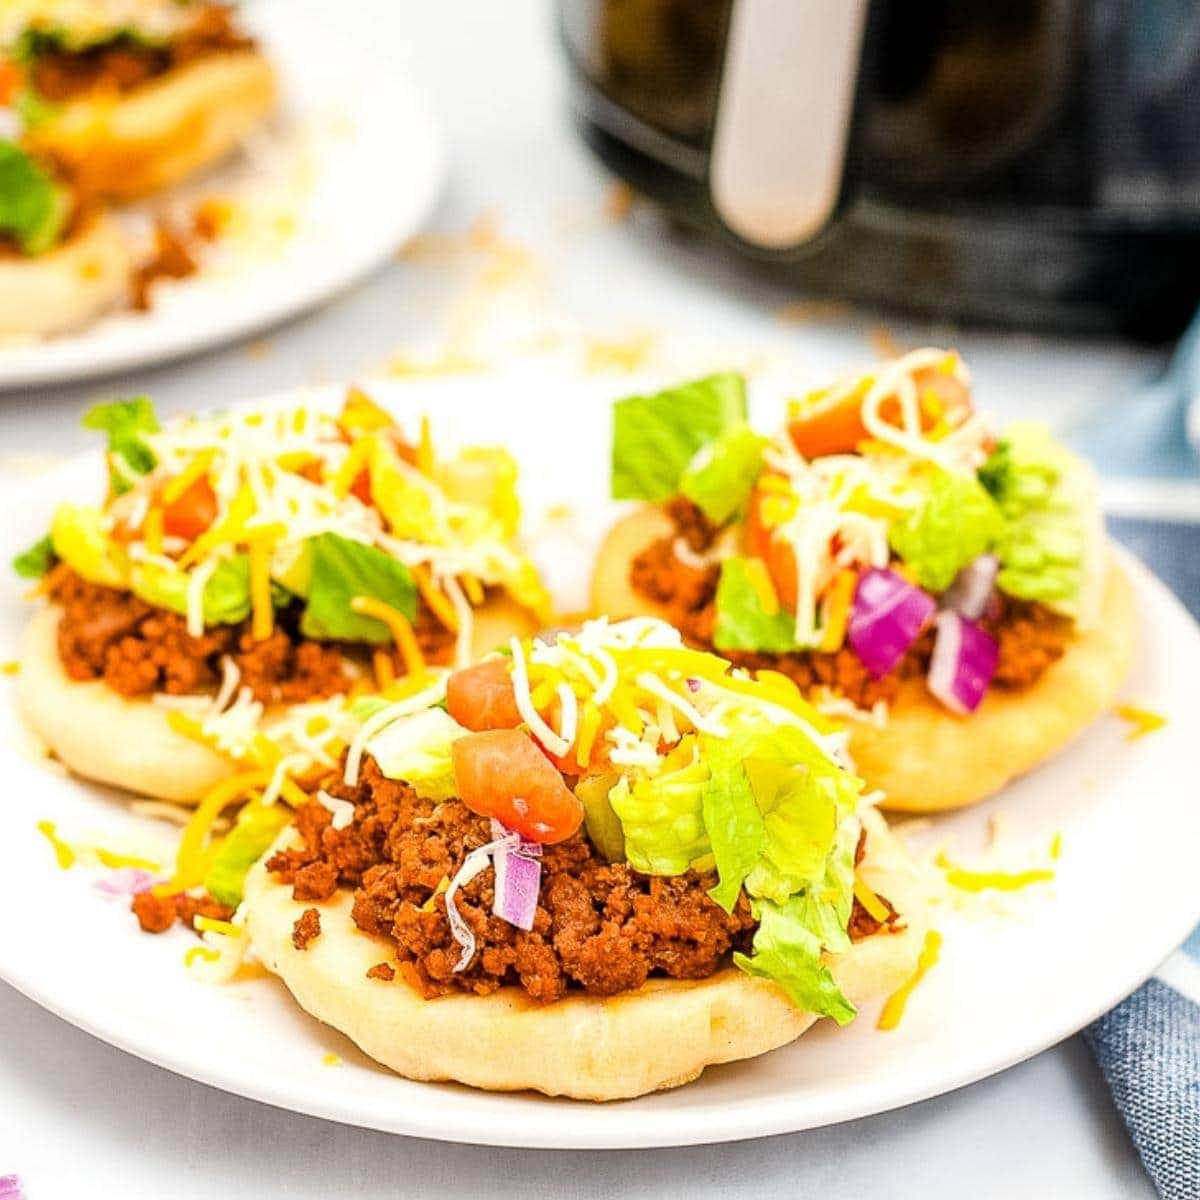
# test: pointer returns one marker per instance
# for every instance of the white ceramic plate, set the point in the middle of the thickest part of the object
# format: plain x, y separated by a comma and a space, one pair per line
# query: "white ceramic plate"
347, 172
1013, 979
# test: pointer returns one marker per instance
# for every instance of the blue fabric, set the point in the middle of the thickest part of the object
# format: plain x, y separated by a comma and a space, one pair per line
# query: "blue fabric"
1148, 1047
1149, 1050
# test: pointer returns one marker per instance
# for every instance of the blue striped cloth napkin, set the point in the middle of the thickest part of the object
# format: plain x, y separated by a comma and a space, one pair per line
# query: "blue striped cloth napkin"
1149, 1046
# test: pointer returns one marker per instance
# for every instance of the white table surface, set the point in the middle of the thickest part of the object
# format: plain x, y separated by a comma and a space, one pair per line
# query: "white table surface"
78, 1118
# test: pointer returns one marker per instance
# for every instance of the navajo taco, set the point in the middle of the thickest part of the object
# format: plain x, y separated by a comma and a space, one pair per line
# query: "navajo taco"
63, 261
131, 96
592, 867
948, 590
247, 571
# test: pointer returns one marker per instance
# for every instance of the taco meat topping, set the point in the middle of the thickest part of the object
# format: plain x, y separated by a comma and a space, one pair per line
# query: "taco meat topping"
599, 927
124, 63
137, 649
1031, 637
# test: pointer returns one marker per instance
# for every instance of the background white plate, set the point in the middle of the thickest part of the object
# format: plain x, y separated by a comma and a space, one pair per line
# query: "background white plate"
1014, 978
353, 162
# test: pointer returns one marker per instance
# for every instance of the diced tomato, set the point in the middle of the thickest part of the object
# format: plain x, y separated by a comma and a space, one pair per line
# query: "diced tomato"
830, 426
361, 487
776, 554
481, 697
501, 773
192, 513
10, 80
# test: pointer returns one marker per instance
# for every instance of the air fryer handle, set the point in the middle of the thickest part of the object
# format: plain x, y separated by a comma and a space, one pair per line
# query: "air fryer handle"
785, 113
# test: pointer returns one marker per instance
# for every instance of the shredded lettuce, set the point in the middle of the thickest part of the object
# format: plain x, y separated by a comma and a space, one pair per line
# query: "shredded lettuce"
722, 472
342, 569
788, 952
33, 208
957, 522
34, 562
1048, 549
603, 825
741, 621
734, 822
226, 594
78, 537
404, 496
126, 422
662, 814
655, 438
257, 826
417, 750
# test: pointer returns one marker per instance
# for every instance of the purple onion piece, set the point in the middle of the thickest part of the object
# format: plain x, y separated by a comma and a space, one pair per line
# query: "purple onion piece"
123, 881
963, 663
971, 591
693, 684
888, 616
518, 881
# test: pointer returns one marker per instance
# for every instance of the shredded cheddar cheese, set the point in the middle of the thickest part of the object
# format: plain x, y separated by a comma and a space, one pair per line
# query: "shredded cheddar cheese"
1001, 881
837, 610
262, 609
400, 627
64, 855
434, 598
893, 1009
869, 900
385, 671
1142, 721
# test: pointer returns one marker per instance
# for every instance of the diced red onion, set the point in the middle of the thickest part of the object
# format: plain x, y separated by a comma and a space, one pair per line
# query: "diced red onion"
693, 684
529, 849
889, 614
518, 880
963, 663
124, 881
10, 1188
971, 590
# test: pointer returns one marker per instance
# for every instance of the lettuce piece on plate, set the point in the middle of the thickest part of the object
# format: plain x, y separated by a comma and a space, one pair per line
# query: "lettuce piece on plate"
34, 562
417, 750
662, 813
33, 208
257, 826
126, 422
742, 619
655, 438
342, 569
1050, 549
721, 474
957, 522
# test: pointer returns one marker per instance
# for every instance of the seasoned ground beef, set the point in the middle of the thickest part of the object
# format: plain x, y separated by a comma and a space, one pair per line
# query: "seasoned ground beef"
1030, 637
138, 649
306, 929
124, 64
156, 914
599, 927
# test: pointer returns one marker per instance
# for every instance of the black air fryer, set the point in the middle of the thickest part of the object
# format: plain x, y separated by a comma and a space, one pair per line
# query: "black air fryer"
1019, 162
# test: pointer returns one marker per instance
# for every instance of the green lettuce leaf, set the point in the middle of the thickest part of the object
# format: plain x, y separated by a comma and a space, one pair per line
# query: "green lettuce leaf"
37, 560
342, 569
722, 472
603, 825
416, 750
656, 437
787, 951
958, 522
733, 820
32, 109
1049, 549
257, 826
78, 537
126, 422
226, 595
33, 208
662, 815
741, 623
